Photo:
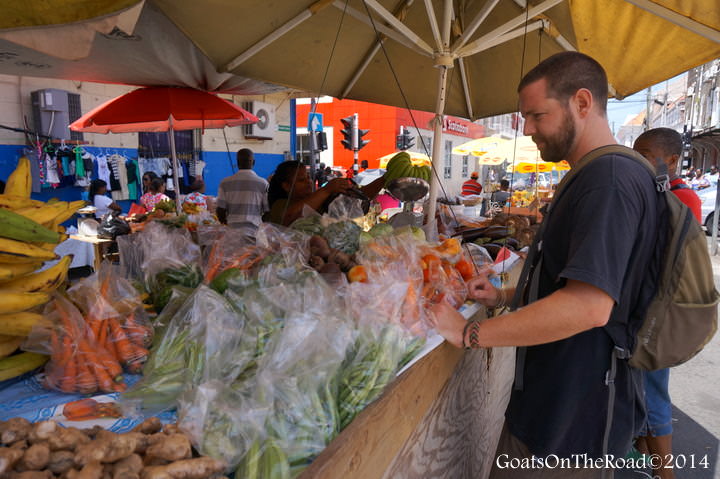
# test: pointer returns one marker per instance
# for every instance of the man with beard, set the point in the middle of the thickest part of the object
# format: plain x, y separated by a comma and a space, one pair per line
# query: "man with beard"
573, 397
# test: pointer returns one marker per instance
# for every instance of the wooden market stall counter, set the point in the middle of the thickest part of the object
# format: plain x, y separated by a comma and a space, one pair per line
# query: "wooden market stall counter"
442, 417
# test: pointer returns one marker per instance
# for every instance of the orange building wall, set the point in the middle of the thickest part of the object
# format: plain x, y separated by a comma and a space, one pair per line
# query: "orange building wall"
383, 121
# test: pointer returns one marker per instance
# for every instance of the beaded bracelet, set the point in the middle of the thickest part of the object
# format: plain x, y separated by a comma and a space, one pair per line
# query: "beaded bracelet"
474, 336
502, 302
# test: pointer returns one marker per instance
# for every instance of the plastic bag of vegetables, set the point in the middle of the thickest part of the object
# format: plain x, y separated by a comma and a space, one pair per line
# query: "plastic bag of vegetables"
198, 345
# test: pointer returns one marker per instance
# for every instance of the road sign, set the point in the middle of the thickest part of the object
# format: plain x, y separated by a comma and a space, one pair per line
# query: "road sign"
315, 122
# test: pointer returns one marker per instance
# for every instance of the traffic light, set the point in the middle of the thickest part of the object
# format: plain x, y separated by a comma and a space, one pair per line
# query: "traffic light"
348, 132
404, 141
321, 140
360, 142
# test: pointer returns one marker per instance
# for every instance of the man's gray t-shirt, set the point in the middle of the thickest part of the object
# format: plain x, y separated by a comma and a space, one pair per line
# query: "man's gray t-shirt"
244, 197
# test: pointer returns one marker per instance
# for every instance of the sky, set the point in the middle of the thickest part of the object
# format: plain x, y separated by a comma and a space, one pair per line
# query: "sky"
618, 111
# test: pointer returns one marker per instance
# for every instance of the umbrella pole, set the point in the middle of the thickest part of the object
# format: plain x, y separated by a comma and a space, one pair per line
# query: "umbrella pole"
173, 154
430, 223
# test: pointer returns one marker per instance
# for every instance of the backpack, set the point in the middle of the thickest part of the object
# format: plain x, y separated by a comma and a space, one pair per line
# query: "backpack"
681, 316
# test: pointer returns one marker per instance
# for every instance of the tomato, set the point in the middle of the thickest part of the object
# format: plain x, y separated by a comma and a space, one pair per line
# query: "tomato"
465, 268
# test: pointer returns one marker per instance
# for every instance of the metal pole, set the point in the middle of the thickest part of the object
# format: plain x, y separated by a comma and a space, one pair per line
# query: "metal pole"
355, 143
713, 236
313, 146
648, 109
437, 145
173, 154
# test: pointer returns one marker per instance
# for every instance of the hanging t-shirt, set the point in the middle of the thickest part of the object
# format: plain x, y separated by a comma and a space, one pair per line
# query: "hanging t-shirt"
103, 169
119, 169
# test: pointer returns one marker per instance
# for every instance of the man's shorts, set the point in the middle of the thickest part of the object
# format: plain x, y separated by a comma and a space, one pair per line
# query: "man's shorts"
657, 403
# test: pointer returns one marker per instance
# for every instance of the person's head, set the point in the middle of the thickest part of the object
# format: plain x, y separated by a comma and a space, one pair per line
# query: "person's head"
147, 177
321, 166
245, 159
474, 175
290, 180
157, 185
713, 170
97, 187
197, 185
504, 185
328, 170
661, 144
698, 173
558, 97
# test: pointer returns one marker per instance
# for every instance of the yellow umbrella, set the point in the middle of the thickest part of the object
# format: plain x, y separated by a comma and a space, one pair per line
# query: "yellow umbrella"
418, 159
479, 146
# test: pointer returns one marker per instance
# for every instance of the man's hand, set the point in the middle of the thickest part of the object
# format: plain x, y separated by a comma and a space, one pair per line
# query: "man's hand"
447, 322
480, 289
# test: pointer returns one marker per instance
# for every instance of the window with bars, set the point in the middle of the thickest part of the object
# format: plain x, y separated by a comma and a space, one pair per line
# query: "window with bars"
448, 159
75, 112
465, 166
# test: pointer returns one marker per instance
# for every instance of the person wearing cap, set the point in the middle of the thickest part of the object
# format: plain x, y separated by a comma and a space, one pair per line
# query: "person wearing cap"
471, 186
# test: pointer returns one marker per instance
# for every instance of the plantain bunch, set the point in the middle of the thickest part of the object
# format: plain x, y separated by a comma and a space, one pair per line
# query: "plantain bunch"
29, 232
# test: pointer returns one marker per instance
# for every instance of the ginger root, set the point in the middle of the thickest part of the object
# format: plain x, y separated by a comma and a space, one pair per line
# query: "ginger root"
42, 431
108, 447
173, 448
128, 468
198, 468
61, 461
32, 475
67, 439
36, 457
13, 430
91, 470
8, 458
149, 426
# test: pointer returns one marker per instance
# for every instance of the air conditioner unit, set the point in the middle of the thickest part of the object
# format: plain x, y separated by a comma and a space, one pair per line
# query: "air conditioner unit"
266, 127
51, 113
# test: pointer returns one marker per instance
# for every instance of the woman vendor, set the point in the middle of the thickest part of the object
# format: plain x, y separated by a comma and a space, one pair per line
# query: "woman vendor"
98, 195
290, 190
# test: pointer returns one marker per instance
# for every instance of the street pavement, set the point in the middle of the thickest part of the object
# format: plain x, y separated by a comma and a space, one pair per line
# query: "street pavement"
695, 393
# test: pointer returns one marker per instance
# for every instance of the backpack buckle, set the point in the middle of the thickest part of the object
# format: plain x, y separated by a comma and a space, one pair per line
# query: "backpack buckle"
662, 183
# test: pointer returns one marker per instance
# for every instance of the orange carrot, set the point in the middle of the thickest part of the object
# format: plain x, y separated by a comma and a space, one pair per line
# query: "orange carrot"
86, 381
138, 333
110, 363
104, 380
68, 381
127, 351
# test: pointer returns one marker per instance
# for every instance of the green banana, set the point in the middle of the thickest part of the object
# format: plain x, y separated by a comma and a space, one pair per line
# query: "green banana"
20, 228
19, 364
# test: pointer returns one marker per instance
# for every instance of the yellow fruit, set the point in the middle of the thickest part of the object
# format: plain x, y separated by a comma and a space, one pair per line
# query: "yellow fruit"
43, 281
46, 214
18, 324
19, 364
13, 202
9, 344
10, 271
19, 183
14, 302
68, 213
12, 251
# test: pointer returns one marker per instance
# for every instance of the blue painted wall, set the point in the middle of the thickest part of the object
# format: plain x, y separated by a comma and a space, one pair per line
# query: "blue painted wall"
219, 164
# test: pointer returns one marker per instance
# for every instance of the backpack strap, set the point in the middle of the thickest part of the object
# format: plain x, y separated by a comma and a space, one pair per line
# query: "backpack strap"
680, 186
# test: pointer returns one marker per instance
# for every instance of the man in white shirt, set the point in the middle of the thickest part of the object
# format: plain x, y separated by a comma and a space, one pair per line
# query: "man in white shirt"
242, 197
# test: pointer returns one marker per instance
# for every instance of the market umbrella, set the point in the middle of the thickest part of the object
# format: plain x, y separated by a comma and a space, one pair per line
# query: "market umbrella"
523, 156
163, 109
479, 146
471, 53
419, 159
